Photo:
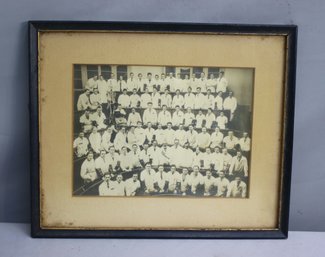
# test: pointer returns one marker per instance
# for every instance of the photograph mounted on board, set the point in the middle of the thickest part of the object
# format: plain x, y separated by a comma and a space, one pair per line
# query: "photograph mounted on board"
162, 131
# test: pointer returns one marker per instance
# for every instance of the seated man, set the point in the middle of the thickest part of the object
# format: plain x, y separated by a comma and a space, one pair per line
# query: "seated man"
189, 117
119, 186
101, 164
239, 166
169, 134
209, 119
134, 157
86, 122
217, 159
159, 135
150, 115
135, 99
203, 139
178, 117
140, 134
120, 115
164, 116
231, 142
147, 178
106, 188
145, 99
222, 121
165, 158
125, 162
230, 103
191, 137
222, 184
199, 119
189, 99
184, 182
173, 180
154, 153
132, 185
196, 180
99, 118
83, 101
107, 138
245, 143
166, 99
92, 83
95, 99
155, 96
216, 138
88, 169
237, 188
80, 145
209, 183
112, 160
144, 155
134, 118
149, 133
161, 178
120, 139
95, 140
176, 153
226, 160
124, 99
209, 101
200, 99
178, 100
181, 134
219, 102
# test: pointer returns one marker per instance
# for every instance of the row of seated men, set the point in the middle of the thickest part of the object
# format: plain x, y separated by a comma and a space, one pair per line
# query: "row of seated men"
150, 117
162, 181
158, 82
142, 137
156, 100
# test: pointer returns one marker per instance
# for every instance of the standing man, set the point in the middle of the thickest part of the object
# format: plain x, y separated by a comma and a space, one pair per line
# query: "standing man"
95, 140
88, 169
230, 103
222, 184
222, 121
134, 118
147, 177
203, 139
196, 180
164, 116
222, 82
189, 99
209, 183
80, 145
239, 166
131, 83
150, 115
135, 99
124, 99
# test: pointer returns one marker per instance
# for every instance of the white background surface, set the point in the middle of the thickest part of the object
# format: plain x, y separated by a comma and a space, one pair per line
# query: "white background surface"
308, 194
17, 242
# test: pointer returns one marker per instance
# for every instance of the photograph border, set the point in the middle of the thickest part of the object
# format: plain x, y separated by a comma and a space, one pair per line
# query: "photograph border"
289, 31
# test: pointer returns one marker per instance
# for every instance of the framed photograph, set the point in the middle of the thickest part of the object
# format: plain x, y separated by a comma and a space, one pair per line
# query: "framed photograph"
161, 130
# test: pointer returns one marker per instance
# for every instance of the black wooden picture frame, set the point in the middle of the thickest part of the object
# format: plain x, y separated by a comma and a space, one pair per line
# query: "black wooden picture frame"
290, 31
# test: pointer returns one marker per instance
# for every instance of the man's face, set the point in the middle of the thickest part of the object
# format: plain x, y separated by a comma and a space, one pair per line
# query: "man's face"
81, 135
87, 92
202, 75
90, 156
224, 151
177, 92
156, 77
196, 170
112, 150
221, 174
149, 76
169, 126
185, 171
239, 154
112, 75
154, 143
163, 76
170, 74
134, 147
173, 169
149, 125
140, 76
209, 174
121, 77
178, 76
189, 90
119, 178
204, 130
208, 151
221, 114
198, 90
186, 76
245, 134
150, 106
107, 177
131, 75
94, 130
176, 142
134, 91
101, 77
124, 151
230, 94
135, 177
102, 153
211, 76
197, 150
230, 134
237, 179
159, 126
217, 150
148, 167
164, 107
95, 77
133, 110
161, 169
193, 76
145, 146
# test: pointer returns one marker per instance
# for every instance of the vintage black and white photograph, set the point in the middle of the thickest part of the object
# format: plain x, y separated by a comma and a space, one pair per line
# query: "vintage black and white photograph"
162, 131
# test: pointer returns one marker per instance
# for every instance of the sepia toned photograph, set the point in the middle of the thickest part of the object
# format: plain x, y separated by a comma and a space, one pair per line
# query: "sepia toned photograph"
162, 131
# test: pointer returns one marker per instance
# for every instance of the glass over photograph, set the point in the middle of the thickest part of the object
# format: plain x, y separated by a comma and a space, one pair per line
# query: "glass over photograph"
162, 131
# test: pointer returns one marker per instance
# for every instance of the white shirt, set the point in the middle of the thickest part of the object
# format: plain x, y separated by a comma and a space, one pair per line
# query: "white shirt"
202, 83
124, 100
209, 183
169, 136
91, 84
217, 160
222, 185
145, 99
216, 139
209, 118
222, 84
101, 164
176, 155
166, 100
209, 102
95, 99
236, 189
173, 179
155, 97
181, 136
164, 117
83, 102
131, 186
212, 85
140, 135
195, 181
100, 119
161, 179
135, 158
245, 144
95, 140
133, 119
132, 84
191, 137
88, 170
178, 100
148, 177
106, 190
199, 120
188, 118
120, 141
102, 89
160, 136
218, 102
199, 101
122, 85
230, 104
203, 140
145, 155
230, 143
178, 118
134, 100
189, 100
150, 116
112, 83
107, 140
81, 146
154, 153
125, 161
222, 121
239, 165
149, 132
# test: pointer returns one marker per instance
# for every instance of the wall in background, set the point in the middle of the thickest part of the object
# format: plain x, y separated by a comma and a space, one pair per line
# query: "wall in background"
308, 194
